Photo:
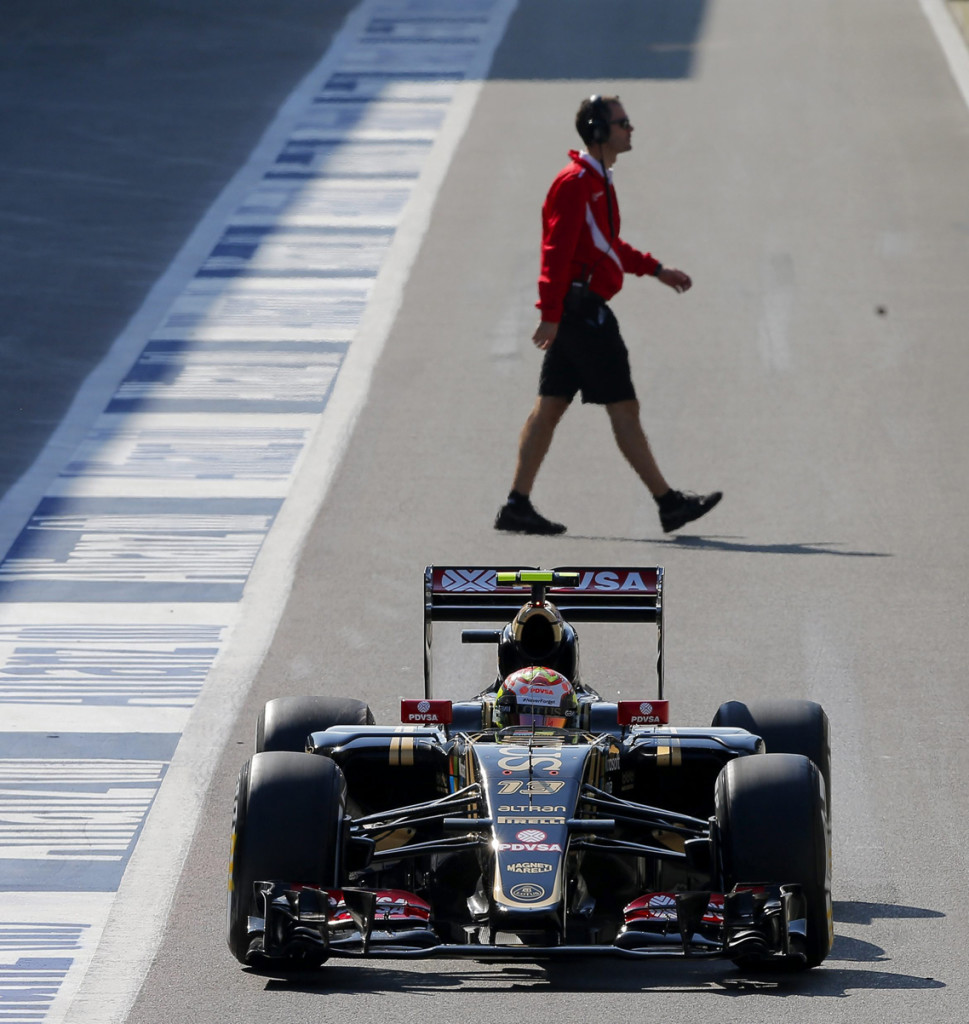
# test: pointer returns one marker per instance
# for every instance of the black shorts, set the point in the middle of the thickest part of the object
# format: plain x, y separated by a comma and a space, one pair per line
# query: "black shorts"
588, 356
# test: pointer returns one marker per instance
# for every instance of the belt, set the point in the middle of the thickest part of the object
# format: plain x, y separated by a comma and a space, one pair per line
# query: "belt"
581, 291
583, 302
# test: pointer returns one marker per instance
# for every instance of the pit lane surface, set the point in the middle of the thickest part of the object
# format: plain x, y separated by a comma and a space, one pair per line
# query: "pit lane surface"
813, 184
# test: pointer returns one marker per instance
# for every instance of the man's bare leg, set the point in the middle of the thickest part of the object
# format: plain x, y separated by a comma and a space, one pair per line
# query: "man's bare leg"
535, 441
676, 509
631, 438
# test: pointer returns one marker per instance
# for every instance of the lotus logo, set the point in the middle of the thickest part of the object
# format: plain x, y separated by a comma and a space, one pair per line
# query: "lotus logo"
531, 835
527, 892
469, 580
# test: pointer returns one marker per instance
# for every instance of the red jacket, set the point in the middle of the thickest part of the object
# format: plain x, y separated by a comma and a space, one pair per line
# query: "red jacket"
577, 244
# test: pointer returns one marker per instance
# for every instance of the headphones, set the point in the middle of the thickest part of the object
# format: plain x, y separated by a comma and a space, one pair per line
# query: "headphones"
596, 121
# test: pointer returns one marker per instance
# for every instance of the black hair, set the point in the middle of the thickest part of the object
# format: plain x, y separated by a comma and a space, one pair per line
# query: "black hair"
592, 119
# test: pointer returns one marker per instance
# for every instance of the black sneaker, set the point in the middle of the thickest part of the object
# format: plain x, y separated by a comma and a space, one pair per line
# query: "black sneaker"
522, 517
679, 508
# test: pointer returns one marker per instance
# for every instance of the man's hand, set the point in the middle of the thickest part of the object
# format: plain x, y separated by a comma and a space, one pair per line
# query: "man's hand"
545, 334
675, 279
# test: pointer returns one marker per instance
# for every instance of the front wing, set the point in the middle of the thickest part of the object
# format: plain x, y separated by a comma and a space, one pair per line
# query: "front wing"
305, 922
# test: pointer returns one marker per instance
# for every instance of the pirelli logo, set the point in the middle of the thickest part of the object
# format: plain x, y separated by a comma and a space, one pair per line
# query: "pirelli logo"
530, 820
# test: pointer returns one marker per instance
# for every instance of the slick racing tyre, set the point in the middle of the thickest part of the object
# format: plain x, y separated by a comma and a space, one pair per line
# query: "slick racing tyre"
770, 815
286, 827
786, 727
285, 723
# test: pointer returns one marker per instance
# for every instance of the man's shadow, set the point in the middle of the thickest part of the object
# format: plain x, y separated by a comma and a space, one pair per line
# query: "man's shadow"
701, 543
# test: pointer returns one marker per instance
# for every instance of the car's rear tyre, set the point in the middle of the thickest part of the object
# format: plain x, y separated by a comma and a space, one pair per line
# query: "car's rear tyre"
286, 827
772, 828
786, 727
285, 722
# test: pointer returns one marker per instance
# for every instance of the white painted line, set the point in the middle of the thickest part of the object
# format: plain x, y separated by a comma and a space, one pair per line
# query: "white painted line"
88, 487
47, 719
952, 42
140, 909
778, 295
95, 617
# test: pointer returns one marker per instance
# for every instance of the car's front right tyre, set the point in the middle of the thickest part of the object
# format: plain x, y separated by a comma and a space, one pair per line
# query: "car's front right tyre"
286, 722
286, 827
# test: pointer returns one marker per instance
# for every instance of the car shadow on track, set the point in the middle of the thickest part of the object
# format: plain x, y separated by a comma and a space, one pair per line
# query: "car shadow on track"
595, 974
701, 543
857, 912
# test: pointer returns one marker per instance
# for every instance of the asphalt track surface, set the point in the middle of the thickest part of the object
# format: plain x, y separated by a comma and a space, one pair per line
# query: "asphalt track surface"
806, 164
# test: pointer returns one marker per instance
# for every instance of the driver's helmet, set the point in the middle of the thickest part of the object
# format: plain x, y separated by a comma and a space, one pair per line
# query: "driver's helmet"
536, 696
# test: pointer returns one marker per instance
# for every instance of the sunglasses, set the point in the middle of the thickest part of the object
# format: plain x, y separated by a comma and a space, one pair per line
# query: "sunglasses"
623, 122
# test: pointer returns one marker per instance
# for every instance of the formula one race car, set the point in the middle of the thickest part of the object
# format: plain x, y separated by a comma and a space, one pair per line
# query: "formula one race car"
536, 819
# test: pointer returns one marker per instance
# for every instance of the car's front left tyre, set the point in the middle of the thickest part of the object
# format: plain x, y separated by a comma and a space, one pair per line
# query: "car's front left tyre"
771, 816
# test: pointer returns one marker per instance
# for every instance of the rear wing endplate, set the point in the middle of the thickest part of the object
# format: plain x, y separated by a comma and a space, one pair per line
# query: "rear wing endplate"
598, 594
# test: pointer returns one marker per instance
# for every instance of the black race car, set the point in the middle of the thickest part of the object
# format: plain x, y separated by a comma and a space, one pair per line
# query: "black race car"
480, 829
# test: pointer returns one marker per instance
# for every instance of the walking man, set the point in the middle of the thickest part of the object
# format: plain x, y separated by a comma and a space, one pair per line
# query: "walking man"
583, 265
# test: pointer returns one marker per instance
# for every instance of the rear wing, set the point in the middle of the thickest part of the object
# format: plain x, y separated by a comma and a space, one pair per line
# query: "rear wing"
581, 594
